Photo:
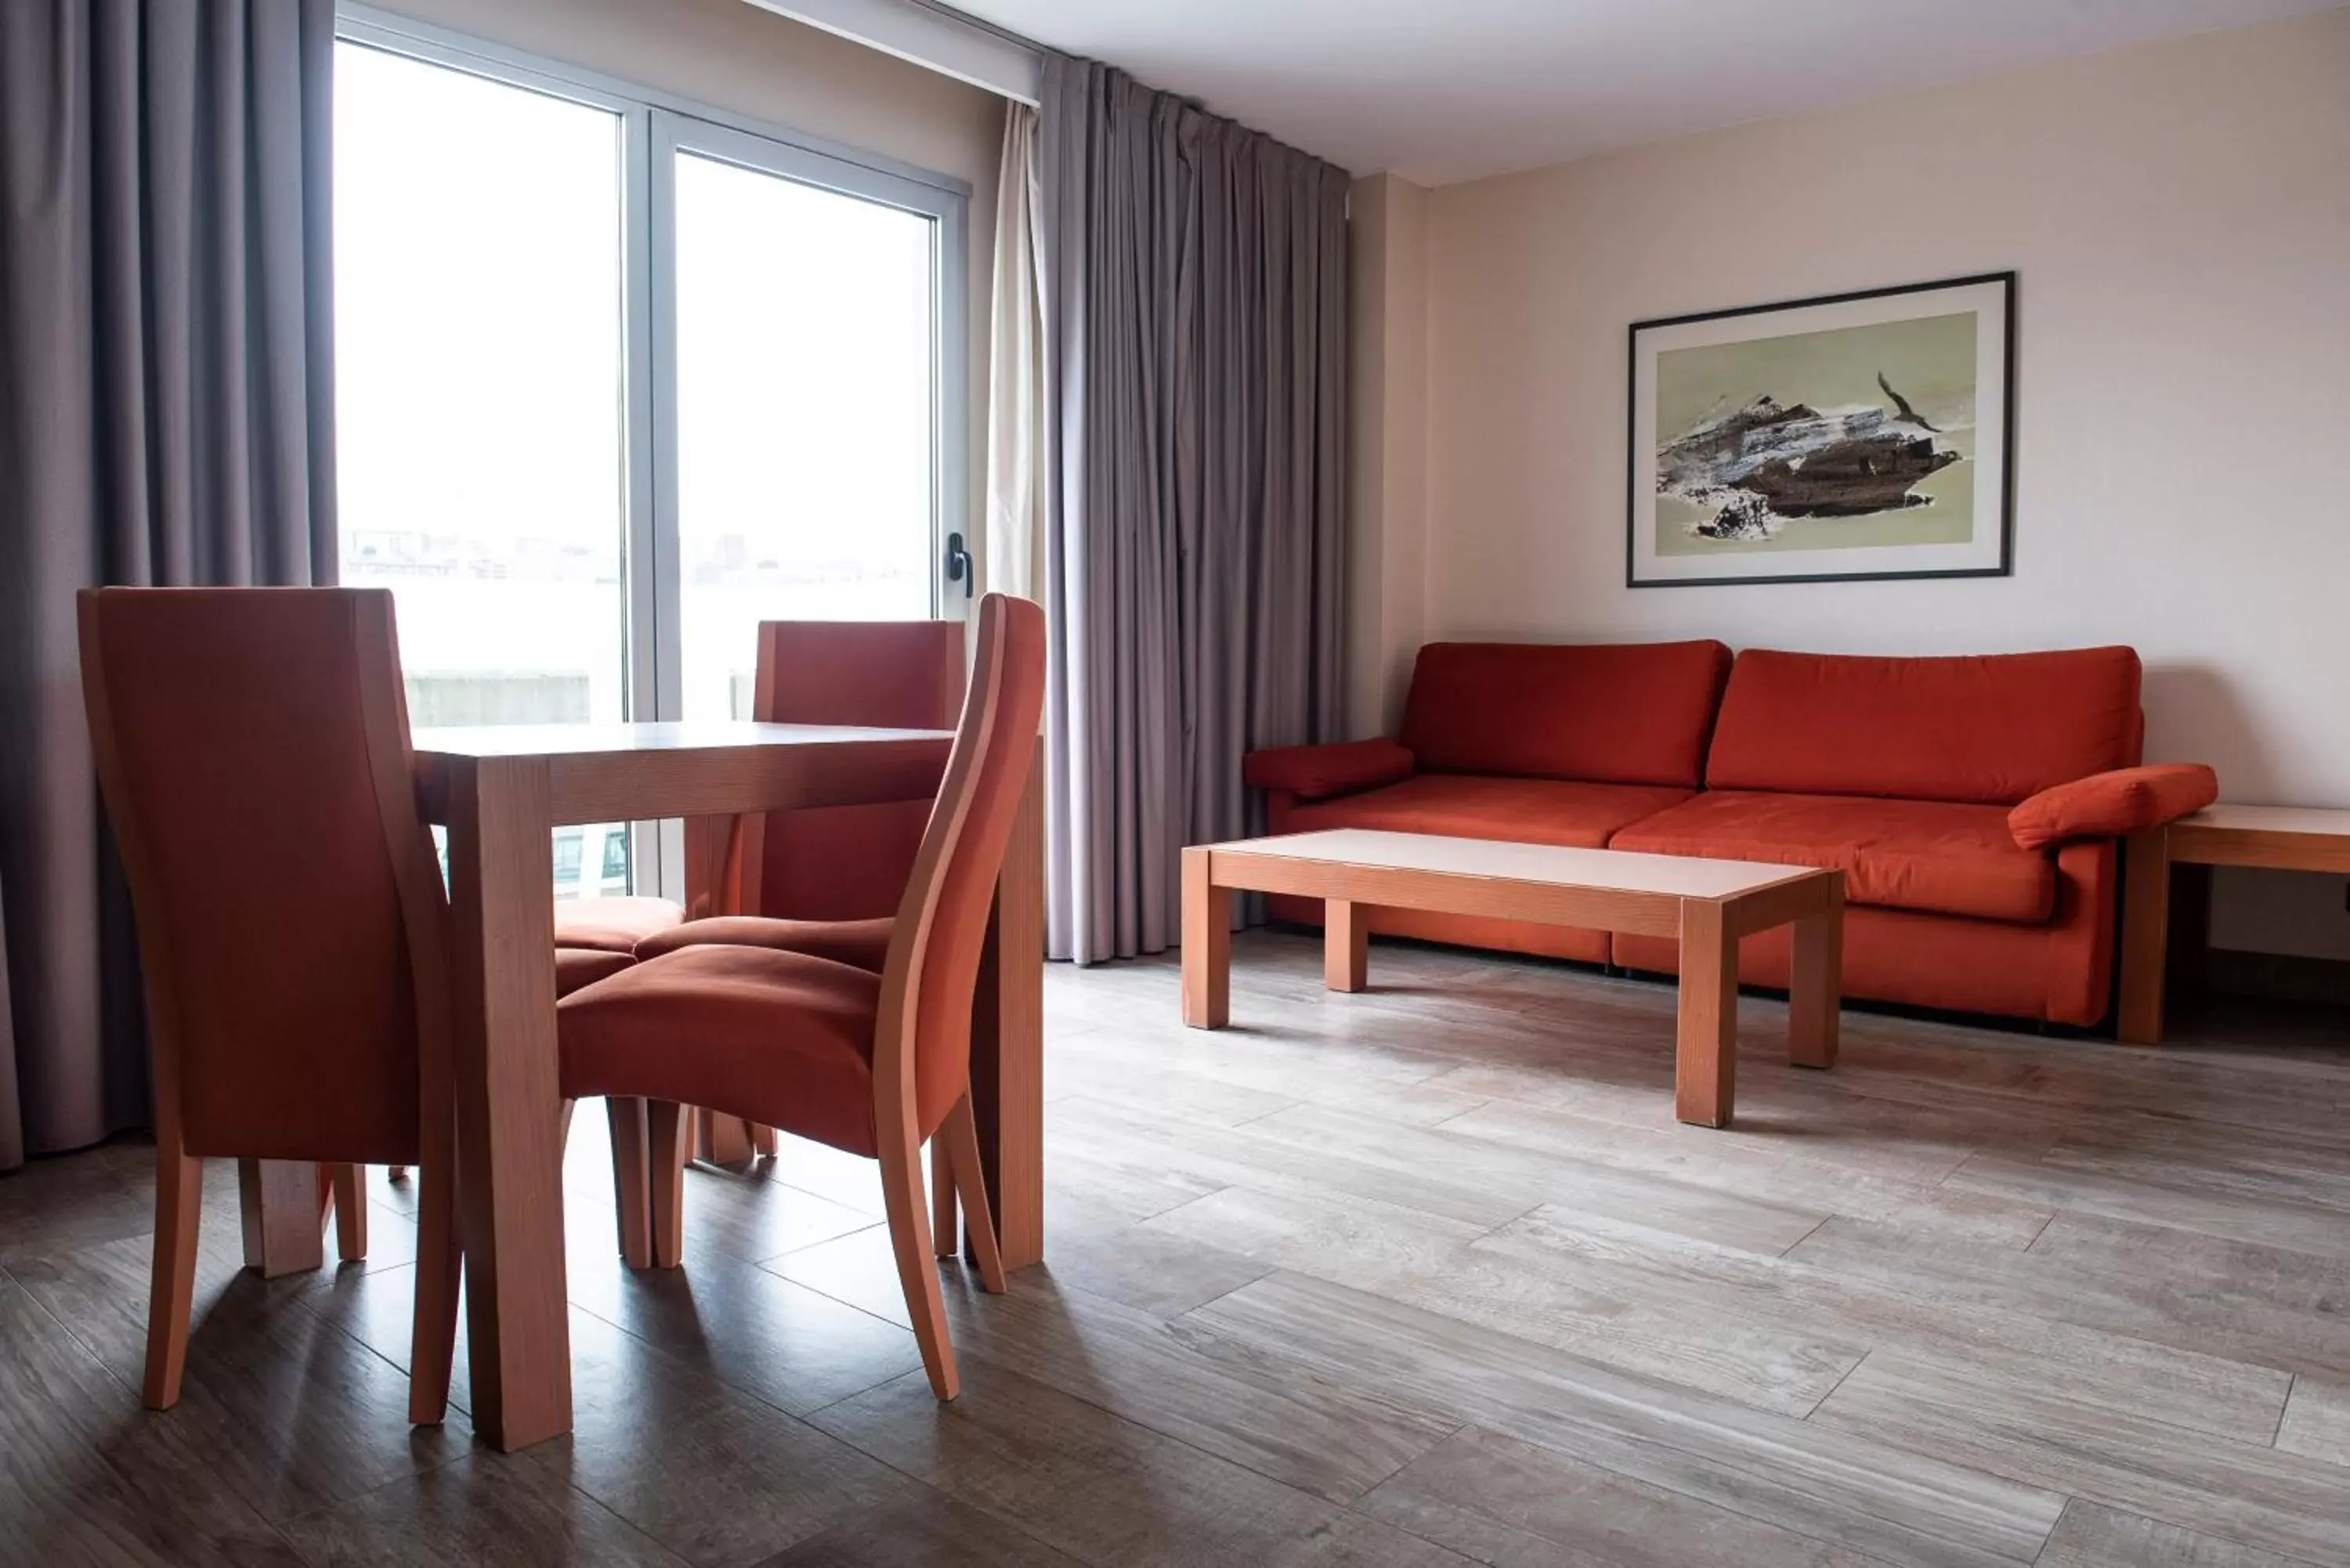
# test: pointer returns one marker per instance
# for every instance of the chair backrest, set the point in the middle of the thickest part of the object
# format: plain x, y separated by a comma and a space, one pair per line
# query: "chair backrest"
848, 862
251, 744
839, 862
922, 1044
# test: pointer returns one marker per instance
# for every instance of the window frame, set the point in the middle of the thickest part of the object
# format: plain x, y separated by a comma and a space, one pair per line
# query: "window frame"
656, 127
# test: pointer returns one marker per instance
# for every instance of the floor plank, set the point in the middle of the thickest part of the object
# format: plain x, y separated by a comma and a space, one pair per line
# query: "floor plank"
483, 1509
2187, 1388
2089, 1536
930, 1531
1278, 1418
1865, 1496
2184, 1289
1404, 1258
88, 1476
1516, 1505
2180, 1203
1103, 1489
2006, 1425
2317, 1420
718, 1478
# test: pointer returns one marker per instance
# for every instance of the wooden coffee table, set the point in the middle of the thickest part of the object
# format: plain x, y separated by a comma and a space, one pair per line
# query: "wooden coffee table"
1708, 904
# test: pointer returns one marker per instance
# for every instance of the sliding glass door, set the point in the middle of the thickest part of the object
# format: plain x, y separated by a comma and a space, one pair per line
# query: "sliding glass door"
617, 381
481, 369
802, 384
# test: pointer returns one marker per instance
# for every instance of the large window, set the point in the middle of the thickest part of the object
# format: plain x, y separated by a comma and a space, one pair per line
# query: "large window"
616, 381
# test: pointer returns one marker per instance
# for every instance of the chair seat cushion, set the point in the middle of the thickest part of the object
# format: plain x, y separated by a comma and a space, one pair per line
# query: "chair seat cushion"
1933, 855
779, 1038
612, 925
1465, 805
864, 943
576, 969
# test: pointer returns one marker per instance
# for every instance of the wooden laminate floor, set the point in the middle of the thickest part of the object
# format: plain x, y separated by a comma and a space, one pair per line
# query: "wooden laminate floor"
1423, 1276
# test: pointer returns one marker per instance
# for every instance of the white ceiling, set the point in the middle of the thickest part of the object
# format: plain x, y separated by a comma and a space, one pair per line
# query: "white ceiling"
1440, 90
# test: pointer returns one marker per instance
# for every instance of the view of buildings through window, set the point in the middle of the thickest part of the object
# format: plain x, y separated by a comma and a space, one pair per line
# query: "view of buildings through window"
484, 381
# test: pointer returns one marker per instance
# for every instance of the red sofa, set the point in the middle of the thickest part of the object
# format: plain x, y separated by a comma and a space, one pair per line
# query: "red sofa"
1972, 804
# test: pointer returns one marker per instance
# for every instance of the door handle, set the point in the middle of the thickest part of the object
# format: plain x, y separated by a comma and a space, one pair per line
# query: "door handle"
959, 567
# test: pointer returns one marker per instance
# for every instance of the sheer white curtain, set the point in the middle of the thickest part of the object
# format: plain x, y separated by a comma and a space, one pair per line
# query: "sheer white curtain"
1015, 429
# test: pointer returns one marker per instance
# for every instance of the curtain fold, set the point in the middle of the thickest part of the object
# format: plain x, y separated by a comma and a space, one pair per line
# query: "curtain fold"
165, 418
1193, 509
1015, 435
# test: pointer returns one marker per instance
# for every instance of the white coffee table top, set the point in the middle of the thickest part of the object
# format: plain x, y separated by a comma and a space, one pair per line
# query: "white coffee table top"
1615, 870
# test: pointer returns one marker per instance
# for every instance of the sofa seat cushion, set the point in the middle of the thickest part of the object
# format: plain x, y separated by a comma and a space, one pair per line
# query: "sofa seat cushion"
1930, 855
1525, 811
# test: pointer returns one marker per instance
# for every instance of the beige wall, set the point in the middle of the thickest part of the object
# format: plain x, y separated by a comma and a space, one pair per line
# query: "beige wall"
2179, 217
735, 57
1387, 477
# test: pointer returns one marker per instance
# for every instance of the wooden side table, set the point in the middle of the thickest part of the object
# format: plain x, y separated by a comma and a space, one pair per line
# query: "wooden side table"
2278, 838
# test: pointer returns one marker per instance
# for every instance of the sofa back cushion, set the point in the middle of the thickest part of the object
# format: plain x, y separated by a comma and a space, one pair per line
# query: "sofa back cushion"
1990, 729
1599, 713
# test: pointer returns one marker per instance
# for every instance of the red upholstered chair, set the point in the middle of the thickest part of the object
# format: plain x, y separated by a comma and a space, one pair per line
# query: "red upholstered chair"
253, 747
822, 880
870, 1063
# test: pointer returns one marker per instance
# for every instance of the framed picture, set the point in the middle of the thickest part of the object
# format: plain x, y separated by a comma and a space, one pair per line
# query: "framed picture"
1862, 435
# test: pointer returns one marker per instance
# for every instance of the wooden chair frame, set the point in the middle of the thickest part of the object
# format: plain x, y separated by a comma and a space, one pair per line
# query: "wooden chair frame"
917, 1237
178, 1173
725, 861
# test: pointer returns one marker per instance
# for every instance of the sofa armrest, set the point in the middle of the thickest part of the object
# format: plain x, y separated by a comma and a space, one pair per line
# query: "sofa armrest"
2114, 804
1313, 773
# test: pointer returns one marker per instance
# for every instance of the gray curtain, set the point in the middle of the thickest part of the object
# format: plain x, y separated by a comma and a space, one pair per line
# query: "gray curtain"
1194, 402
166, 398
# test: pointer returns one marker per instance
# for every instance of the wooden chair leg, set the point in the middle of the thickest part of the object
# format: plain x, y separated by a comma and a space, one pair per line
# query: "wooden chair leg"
666, 1133
764, 1141
910, 1240
350, 1184
563, 1128
722, 1139
171, 1297
440, 1262
956, 1146
944, 1220
631, 1185
397, 1172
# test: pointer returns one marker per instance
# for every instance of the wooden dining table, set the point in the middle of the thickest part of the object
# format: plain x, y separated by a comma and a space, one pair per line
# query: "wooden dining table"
500, 792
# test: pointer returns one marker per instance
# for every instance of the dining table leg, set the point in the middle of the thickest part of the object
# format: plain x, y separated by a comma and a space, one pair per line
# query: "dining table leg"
1007, 1043
284, 1219
510, 1158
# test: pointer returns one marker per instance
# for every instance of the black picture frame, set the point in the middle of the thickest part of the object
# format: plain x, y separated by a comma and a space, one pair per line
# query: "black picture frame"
2005, 437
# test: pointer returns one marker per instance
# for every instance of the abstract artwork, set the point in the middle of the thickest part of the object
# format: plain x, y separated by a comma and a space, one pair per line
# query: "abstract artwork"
1858, 435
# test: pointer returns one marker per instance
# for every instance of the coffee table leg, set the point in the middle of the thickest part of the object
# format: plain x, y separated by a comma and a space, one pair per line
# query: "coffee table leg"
1815, 992
1207, 946
1706, 1058
1346, 945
